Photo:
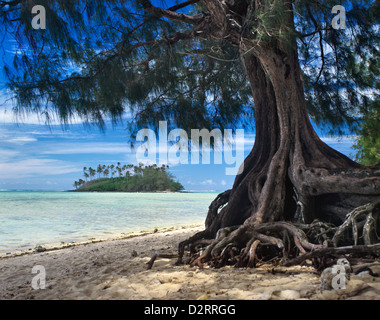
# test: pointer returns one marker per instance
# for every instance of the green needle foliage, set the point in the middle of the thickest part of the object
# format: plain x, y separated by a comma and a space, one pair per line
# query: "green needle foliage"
102, 60
368, 143
337, 90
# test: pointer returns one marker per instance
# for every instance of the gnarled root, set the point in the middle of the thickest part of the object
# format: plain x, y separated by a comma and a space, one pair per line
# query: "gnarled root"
216, 205
248, 244
290, 243
363, 222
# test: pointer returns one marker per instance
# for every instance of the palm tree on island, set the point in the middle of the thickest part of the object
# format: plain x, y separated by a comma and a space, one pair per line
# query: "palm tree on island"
144, 178
99, 170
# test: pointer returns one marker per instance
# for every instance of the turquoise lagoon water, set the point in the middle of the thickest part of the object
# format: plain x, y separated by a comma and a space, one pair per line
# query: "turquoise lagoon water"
28, 219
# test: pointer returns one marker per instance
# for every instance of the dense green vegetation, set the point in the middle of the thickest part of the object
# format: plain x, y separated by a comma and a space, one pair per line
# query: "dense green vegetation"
130, 179
368, 143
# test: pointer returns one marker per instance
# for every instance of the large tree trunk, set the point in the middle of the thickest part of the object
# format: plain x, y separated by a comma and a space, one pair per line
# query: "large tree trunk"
290, 174
289, 165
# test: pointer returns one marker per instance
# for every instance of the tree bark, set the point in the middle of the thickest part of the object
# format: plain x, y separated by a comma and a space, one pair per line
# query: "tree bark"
290, 174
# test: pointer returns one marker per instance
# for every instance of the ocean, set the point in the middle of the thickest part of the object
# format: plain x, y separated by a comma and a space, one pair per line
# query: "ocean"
29, 219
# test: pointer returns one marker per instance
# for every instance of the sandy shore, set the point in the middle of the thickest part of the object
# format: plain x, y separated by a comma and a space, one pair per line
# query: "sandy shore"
117, 270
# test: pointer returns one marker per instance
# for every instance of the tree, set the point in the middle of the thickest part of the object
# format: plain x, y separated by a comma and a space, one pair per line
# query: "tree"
112, 167
119, 169
91, 172
99, 170
81, 182
149, 179
368, 143
213, 63
123, 169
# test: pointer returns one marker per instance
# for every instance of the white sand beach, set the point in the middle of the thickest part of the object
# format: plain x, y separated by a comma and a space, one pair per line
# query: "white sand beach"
116, 269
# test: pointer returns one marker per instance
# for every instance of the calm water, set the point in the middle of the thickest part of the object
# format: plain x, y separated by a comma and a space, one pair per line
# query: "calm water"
28, 219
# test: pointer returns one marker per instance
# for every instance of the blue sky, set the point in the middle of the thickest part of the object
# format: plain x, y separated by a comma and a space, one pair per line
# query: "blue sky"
34, 156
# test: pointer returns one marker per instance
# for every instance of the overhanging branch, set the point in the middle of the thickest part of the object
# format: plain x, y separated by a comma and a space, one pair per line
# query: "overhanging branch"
147, 5
182, 5
176, 37
319, 31
11, 4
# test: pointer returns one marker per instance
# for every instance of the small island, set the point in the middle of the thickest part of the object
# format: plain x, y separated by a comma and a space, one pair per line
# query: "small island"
127, 178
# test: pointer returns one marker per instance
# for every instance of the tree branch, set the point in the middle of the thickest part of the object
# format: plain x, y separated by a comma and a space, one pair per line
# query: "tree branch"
182, 5
178, 36
147, 5
319, 31
12, 3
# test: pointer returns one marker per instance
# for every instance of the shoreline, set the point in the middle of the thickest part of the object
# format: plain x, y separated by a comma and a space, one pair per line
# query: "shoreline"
118, 191
59, 246
117, 270
116, 215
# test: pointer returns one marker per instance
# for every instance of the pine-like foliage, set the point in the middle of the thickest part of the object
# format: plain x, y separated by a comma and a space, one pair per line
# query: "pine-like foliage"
340, 66
368, 142
99, 59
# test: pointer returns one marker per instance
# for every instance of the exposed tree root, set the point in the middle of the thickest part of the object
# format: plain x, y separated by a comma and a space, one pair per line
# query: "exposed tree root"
214, 207
372, 249
288, 243
363, 223
295, 198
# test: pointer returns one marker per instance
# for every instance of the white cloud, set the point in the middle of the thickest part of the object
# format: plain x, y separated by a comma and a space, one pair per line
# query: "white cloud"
21, 140
208, 182
7, 154
35, 167
87, 148
339, 139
